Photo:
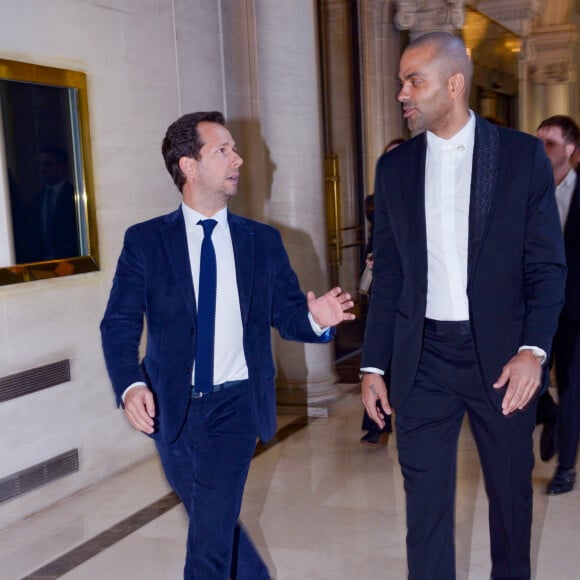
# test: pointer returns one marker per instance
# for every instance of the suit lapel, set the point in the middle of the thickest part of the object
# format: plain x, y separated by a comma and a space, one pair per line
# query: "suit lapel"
413, 190
243, 243
175, 240
483, 186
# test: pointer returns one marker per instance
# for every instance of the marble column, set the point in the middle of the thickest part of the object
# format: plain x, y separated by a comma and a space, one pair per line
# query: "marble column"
380, 50
422, 16
288, 97
340, 119
551, 74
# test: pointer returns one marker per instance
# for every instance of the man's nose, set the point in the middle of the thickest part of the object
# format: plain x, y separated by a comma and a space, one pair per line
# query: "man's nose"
238, 161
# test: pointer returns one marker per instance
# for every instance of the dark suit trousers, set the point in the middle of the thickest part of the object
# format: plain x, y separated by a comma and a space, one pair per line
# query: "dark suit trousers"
567, 360
207, 467
448, 385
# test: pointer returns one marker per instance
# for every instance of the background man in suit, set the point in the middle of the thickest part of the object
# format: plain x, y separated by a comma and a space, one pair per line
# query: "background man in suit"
468, 282
56, 205
45, 221
206, 433
561, 137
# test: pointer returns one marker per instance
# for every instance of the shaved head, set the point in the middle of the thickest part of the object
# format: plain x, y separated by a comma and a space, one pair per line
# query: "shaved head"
449, 55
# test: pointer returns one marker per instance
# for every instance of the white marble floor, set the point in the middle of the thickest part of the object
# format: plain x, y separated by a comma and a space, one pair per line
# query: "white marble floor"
317, 504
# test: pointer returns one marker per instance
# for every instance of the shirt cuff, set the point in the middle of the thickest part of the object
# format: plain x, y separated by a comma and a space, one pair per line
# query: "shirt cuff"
318, 330
372, 370
536, 351
137, 384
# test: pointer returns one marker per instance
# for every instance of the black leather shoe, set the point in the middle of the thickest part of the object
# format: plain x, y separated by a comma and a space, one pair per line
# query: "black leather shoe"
562, 482
548, 440
374, 439
371, 438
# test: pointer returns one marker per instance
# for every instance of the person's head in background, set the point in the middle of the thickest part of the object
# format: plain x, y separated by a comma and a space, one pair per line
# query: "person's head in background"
561, 137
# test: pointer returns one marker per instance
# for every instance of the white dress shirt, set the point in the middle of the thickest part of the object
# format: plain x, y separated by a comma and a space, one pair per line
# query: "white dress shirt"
564, 192
447, 191
229, 360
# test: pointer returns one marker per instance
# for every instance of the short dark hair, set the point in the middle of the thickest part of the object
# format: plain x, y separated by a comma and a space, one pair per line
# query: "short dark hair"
182, 140
570, 130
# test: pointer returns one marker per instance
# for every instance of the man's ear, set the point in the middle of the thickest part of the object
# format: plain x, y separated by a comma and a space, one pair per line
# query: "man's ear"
569, 148
456, 85
188, 166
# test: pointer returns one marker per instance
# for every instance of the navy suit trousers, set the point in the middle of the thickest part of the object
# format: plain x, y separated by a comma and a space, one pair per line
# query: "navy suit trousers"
207, 466
447, 386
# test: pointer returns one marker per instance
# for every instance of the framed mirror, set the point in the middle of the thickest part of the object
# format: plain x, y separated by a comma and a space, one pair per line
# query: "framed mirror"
47, 206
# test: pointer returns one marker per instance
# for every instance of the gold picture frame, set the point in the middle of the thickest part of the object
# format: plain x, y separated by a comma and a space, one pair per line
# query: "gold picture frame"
44, 115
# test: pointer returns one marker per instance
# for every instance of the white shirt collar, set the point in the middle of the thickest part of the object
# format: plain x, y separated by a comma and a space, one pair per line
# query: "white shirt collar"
569, 181
192, 216
462, 140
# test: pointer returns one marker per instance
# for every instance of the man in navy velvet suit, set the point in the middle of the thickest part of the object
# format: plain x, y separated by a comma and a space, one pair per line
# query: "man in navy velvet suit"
468, 283
206, 436
561, 137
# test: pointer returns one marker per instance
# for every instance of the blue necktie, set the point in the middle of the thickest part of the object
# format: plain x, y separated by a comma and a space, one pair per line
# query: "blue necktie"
203, 376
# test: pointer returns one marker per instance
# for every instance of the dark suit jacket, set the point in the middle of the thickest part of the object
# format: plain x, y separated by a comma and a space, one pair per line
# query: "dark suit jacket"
516, 265
153, 278
571, 310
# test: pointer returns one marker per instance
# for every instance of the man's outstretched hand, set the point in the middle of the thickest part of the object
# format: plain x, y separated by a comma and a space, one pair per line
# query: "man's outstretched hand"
330, 309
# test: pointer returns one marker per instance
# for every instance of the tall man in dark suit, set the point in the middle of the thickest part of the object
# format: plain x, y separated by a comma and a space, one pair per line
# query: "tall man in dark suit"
205, 427
561, 136
468, 282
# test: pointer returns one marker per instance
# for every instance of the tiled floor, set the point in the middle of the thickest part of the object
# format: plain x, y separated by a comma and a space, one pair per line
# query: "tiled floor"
317, 504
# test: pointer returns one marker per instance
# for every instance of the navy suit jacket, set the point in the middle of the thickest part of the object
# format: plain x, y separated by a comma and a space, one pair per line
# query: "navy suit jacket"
516, 264
153, 281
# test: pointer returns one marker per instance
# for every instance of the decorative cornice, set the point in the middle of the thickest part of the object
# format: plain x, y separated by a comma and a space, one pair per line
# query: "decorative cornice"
421, 16
552, 54
555, 73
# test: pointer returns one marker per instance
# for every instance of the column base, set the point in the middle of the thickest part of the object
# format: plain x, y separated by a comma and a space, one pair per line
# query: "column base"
312, 399
302, 410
